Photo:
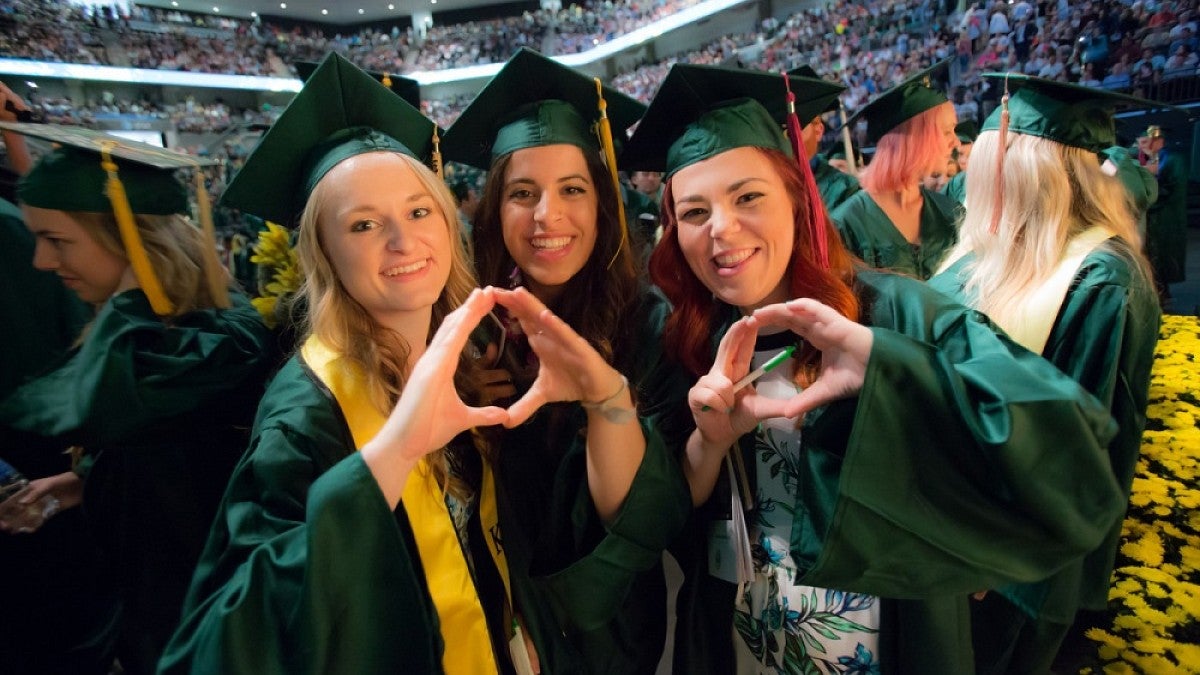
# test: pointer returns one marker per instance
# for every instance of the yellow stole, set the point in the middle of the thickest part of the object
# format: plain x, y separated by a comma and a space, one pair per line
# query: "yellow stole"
464, 628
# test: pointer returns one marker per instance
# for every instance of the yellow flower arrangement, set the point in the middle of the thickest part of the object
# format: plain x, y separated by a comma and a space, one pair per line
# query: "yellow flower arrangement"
278, 265
1155, 594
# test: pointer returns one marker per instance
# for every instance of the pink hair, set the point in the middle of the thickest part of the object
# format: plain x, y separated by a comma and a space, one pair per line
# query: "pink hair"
906, 153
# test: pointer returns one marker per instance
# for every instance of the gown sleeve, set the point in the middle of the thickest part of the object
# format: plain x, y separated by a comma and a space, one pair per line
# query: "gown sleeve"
1104, 338
133, 368
965, 462
306, 570
593, 592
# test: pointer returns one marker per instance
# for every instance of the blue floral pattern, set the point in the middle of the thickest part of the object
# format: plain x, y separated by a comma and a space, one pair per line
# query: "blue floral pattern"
782, 627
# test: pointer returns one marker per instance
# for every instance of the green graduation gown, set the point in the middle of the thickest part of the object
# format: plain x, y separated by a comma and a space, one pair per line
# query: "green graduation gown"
307, 570
956, 187
594, 596
56, 578
1166, 221
161, 412
918, 490
834, 186
869, 234
1103, 338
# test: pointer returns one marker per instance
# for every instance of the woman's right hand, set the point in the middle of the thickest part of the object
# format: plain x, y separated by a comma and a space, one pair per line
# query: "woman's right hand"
430, 411
722, 416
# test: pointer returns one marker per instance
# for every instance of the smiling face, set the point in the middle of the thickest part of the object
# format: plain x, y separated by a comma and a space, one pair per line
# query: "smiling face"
68, 249
548, 214
736, 227
385, 236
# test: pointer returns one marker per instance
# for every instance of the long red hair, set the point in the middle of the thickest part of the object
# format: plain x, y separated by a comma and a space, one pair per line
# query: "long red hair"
689, 330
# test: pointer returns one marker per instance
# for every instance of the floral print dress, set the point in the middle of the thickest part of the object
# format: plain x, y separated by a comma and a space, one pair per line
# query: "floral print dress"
780, 626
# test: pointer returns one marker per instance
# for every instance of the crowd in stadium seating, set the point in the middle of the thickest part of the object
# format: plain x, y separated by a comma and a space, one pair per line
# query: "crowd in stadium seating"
869, 46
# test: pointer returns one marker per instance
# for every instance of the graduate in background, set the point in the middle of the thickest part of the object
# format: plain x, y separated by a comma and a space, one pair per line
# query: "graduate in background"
1166, 218
159, 390
886, 461
835, 186
589, 494
894, 223
1050, 251
956, 187
68, 605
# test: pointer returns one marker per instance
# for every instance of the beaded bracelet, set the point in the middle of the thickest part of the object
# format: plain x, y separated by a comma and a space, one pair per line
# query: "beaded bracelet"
612, 413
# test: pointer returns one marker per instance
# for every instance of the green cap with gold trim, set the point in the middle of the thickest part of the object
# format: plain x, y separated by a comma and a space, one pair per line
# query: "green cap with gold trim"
341, 112
902, 102
535, 101
701, 111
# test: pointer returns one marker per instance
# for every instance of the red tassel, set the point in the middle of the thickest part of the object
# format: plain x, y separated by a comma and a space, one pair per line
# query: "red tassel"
1002, 139
818, 219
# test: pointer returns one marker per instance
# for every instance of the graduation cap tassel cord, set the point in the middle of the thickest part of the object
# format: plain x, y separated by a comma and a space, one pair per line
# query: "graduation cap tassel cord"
1002, 140
435, 157
218, 288
604, 130
138, 260
849, 145
816, 212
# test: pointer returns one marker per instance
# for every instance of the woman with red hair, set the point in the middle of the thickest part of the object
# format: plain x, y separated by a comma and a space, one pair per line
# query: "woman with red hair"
852, 498
895, 223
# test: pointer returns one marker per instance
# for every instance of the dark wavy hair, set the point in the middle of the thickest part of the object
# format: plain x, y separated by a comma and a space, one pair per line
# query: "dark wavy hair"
600, 296
693, 321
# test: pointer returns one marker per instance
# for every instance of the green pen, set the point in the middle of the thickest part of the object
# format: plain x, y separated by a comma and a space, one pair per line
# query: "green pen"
758, 372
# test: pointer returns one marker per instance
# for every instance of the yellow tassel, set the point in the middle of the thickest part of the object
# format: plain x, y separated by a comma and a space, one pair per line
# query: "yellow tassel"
138, 259
604, 130
387, 80
435, 157
218, 286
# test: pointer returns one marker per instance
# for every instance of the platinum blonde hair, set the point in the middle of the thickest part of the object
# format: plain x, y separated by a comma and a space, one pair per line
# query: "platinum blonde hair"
1052, 192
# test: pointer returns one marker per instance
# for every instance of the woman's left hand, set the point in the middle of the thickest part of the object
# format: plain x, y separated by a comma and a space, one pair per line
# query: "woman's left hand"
844, 344
569, 368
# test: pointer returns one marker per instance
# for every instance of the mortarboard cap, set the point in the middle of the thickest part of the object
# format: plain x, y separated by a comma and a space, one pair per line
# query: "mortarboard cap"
535, 101
1078, 116
93, 172
340, 112
967, 131
809, 73
902, 103
702, 111
408, 88
71, 177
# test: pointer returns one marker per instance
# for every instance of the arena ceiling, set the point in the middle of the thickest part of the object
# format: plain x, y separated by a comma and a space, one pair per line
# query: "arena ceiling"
320, 11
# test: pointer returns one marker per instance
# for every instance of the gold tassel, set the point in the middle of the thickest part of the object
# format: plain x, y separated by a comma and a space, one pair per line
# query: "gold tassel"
138, 259
604, 130
218, 287
386, 81
435, 157
998, 199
